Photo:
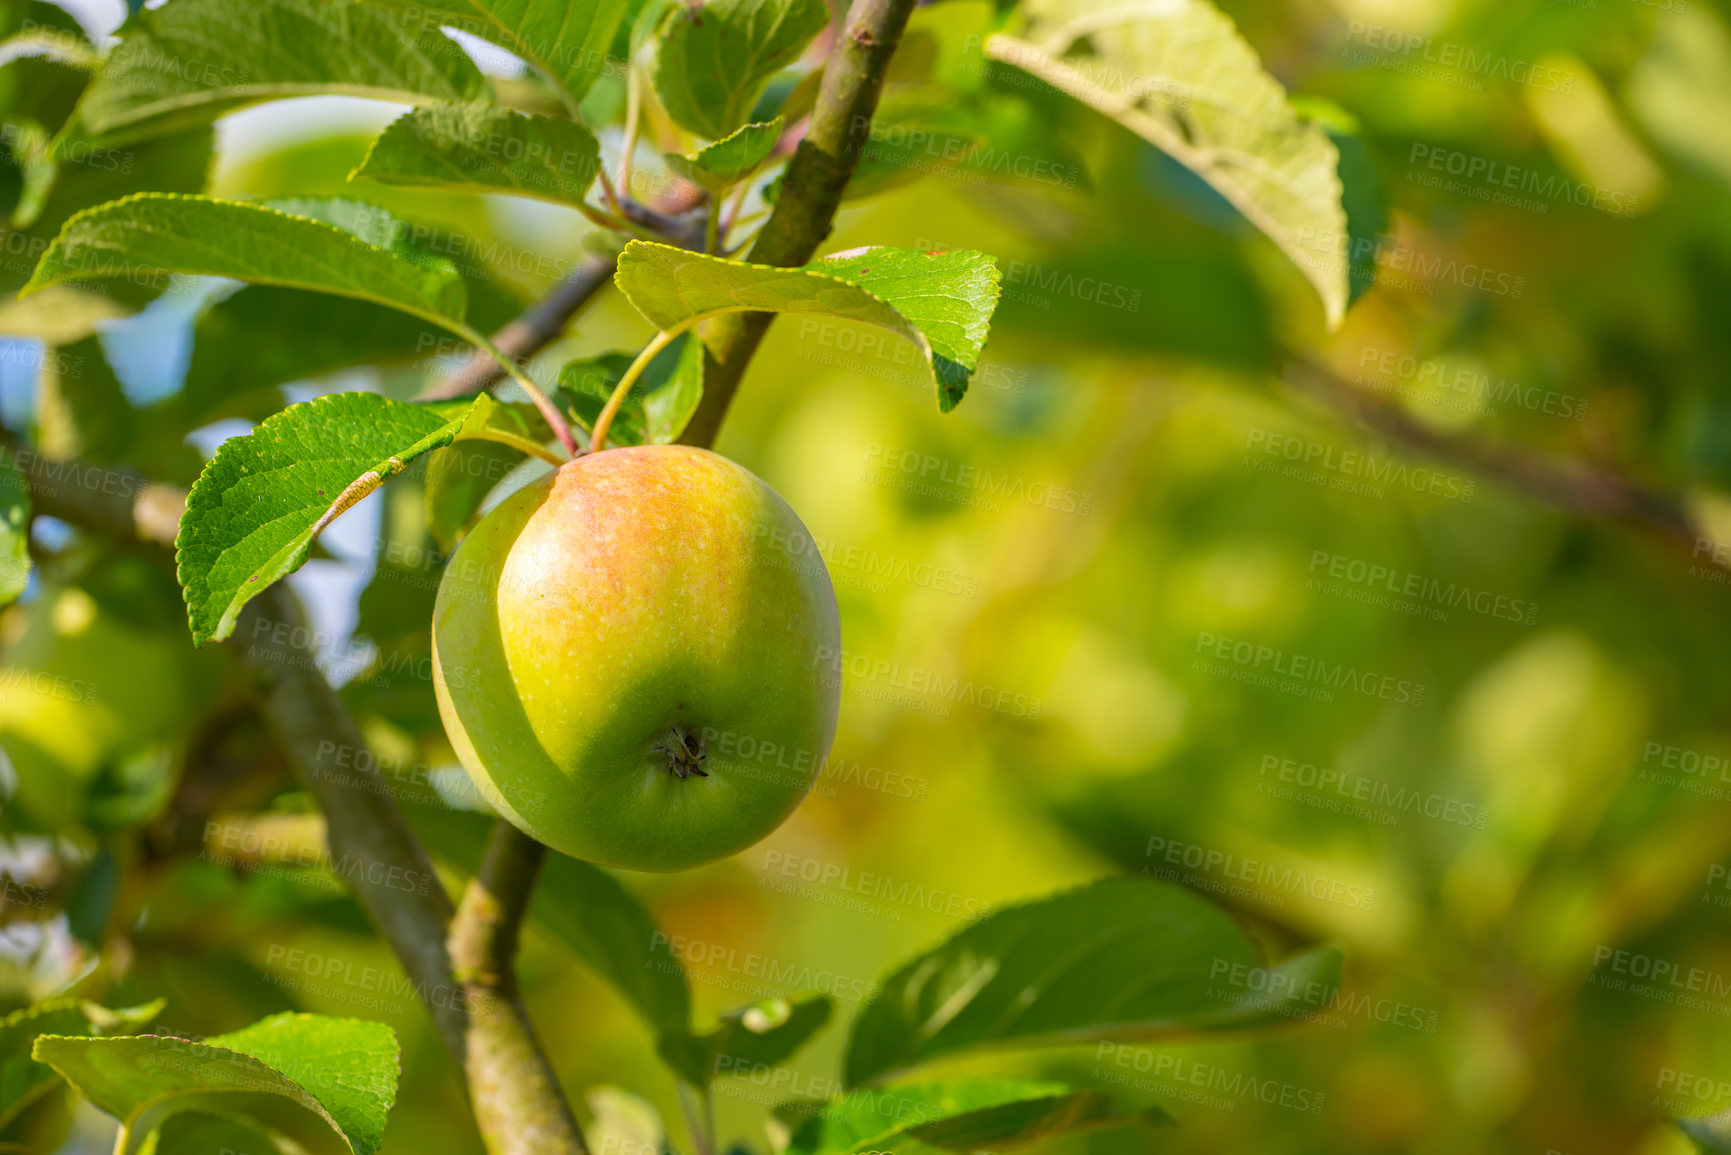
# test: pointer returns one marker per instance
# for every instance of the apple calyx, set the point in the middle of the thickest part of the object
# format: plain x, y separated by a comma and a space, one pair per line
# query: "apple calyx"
685, 753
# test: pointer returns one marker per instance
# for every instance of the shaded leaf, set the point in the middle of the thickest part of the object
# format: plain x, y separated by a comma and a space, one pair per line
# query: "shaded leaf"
350, 1065
983, 1114
719, 166
973, 138
713, 59
588, 911
480, 148
310, 1076
1122, 958
21, 1077
57, 316
942, 302
265, 335
81, 410
176, 163
198, 1133
253, 514
661, 400
1710, 1133
459, 478
748, 1039
194, 60
14, 533
41, 88
1177, 73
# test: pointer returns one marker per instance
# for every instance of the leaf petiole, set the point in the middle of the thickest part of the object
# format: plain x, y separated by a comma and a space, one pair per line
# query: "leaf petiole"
532, 448
549, 411
604, 421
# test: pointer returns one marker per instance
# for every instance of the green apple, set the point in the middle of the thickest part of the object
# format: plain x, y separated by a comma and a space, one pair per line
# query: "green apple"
630, 658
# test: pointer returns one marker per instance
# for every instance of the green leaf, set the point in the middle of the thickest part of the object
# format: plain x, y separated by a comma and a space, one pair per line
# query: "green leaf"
57, 316
459, 478
942, 302
350, 1065
312, 1077
719, 166
1710, 1133
264, 336
624, 1123
194, 60
931, 129
748, 1039
661, 400
1177, 73
165, 233
480, 148
588, 911
1122, 958
261, 336
14, 533
198, 1133
176, 163
81, 410
1366, 211
713, 59
253, 514
21, 1077
44, 88
566, 40
983, 1114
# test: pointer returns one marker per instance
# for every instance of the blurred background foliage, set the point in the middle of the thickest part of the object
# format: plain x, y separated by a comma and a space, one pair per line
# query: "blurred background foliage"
1074, 536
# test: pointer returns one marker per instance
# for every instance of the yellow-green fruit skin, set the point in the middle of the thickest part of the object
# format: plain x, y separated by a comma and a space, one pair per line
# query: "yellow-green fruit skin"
632, 600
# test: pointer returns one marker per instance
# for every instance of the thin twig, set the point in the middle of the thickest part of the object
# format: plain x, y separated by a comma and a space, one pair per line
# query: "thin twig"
1577, 486
811, 191
529, 333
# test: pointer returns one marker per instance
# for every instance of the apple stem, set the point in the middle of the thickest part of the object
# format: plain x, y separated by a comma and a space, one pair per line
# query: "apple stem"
604, 422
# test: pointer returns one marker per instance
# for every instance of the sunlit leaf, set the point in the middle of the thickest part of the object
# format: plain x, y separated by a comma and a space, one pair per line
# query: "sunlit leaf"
1177, 73
163, 233
567, 40
942, 302
255, 510
1122, 958
194, 60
